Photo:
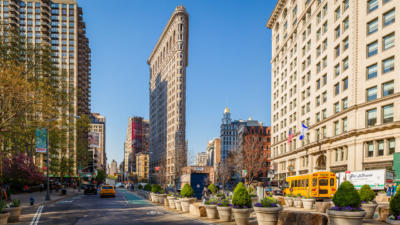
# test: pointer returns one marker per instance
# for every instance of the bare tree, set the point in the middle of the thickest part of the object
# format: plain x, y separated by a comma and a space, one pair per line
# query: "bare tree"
225, 169
253, 154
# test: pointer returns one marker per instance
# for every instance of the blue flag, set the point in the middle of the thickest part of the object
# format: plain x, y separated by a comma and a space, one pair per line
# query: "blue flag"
304, 129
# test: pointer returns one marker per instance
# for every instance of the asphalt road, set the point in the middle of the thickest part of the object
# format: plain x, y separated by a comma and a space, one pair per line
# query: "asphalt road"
126, 208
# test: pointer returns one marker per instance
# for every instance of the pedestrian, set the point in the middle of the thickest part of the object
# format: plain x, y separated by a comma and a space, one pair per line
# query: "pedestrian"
41, 187
394, 189
389, 191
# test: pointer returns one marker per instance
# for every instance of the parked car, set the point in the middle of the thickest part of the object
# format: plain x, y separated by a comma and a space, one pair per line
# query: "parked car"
90, 188
107, 190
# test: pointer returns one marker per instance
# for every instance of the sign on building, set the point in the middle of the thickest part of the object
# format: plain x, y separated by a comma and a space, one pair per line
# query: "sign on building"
94, 140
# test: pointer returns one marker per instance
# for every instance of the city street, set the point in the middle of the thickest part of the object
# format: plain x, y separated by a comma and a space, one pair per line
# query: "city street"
125, 208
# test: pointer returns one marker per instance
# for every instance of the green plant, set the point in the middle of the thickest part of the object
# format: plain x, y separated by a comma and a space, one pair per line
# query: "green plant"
241, 197
224, 203
212, 201
16, 203
347, 196
394, 205
268, 202
171, 194
366, 193
212, 188
140, 187
187, 191
155, 188
2, 205
147, 187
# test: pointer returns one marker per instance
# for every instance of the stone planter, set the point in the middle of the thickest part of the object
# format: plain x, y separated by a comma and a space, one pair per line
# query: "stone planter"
322, 206
345, 218
369, 208
225, 213
178, 205
154, 197
212, 212
383, 212
395, 222
4, 218
297, 203
288, 201
241, 216
308, 203
185, 202
254, 200
267, 216
14, 214
171, 202
161, 198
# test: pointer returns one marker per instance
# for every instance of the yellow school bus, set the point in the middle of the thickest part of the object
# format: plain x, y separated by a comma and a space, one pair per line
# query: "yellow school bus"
317, 185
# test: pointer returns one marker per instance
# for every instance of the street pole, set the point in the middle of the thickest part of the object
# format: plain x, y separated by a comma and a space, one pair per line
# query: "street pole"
48, 181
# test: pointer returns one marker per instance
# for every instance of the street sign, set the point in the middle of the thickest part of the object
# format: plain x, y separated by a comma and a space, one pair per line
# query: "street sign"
41, 140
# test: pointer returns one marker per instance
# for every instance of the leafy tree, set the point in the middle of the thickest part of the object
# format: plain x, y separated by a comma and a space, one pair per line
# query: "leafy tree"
101, 176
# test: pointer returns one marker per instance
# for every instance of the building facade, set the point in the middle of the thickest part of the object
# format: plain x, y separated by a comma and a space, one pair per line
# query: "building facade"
214, 152
142, 166
228, 132
137, 140
333, 70
60, 24
98, 127
113, 168
167, 63
201, 159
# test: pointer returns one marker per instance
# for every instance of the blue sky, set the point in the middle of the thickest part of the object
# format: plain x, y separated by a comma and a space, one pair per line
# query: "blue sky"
229, 55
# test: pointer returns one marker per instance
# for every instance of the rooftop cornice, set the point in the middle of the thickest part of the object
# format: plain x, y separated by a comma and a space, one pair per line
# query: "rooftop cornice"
275, 13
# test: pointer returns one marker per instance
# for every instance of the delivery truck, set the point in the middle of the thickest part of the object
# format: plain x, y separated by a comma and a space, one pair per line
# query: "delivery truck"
376, 179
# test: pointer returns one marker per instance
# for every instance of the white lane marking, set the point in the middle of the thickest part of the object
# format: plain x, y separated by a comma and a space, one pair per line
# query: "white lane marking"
36, 218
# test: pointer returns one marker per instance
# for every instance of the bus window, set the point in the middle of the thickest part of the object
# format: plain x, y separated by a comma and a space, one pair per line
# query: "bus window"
314, 182
292, 184
323, 182
332, 182
307, 183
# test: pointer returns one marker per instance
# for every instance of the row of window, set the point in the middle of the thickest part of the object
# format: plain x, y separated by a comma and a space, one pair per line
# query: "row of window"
387, 66
387, 115
380, 147
374, 4
387, 43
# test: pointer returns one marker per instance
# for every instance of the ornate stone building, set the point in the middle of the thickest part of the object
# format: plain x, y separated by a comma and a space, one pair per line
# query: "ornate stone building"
168, 62
334, 69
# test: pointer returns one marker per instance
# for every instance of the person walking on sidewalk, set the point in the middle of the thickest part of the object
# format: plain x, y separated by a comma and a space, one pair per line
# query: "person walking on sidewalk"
41, 187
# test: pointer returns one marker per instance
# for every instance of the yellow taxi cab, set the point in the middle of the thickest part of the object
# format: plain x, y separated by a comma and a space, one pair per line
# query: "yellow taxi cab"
107, 190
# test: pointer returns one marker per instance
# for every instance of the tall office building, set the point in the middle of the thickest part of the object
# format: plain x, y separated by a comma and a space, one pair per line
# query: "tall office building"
137, 140
168, 62
214, 152
60, 24
333, 70
98, 129
201, 159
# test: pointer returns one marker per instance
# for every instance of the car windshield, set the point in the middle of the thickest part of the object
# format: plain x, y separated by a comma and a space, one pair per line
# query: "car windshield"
107, 187
90, 186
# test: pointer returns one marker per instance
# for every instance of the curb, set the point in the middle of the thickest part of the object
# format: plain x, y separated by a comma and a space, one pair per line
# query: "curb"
49, 202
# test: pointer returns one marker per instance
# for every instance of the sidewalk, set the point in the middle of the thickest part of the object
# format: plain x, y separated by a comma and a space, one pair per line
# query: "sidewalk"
41, 196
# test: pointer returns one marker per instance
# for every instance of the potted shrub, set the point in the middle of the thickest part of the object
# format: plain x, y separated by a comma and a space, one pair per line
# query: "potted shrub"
267, 211
15, 211
178, 204
297, 201
367, 195
211, 208
394, 209
171, 200
162, 197
3, 215
289, 200
241, 205
253, 196
147, 187
187, 197
347, 206
224, 210
155, 189
308, 202
212, 188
